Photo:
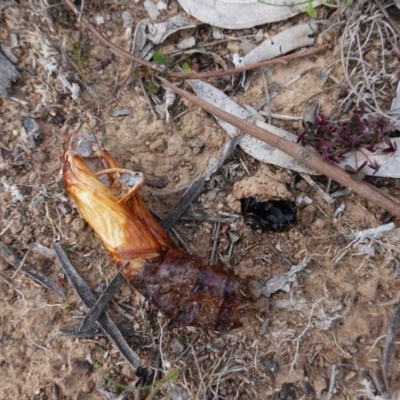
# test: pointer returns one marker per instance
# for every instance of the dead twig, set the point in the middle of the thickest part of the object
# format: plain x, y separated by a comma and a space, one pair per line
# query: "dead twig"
193, 75
89, 300
325, 196
96, 310
332, 383
298, 152
73, 331
12, 258
196, 187
215, 243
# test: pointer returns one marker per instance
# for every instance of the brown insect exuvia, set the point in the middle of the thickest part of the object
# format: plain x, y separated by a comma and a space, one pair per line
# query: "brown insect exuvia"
179, 284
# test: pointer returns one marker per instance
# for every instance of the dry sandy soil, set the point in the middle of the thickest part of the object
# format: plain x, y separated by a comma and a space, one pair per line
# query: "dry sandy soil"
329, 329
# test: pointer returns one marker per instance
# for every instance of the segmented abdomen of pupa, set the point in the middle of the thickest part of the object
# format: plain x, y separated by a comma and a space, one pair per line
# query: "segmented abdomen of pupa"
187, 291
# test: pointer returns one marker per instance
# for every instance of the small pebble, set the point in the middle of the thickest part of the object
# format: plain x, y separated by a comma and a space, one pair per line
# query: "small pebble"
254, 289
195, 143
33, 132
78, 224
176, 345
212, 194
122, 112
186, 43
158, 145
196, 151
99, 20
217, 35
307, 214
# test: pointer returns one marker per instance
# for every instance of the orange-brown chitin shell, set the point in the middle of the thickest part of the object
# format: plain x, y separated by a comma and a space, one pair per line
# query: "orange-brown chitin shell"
187, 291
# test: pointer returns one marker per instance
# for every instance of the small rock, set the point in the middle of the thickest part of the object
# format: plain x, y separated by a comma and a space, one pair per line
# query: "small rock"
33, 134
307, 214
158, 145
195, 143
319, 223
196, 151
212, 194
78, 224
217, 34
254, 289
122, 112
99, 19
176, 345
186, 43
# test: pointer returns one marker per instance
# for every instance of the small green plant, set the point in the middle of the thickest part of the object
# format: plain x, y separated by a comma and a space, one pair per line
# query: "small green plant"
77, 50
309, 5
186, 68
69, 307
159, 58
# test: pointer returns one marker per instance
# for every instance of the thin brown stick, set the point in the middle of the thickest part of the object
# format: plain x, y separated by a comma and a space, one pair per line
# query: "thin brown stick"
298, 152
193, 75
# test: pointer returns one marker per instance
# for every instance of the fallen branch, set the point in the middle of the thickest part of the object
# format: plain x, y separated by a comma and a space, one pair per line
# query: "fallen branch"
298, 152
89, 300
12, 258
177, 75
